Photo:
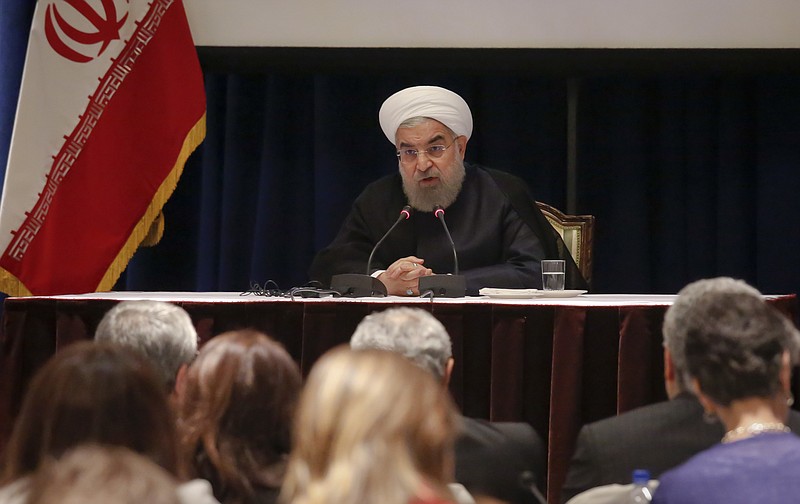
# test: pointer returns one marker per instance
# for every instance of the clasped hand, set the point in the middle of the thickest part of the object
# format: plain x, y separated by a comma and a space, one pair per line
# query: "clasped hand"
401, 278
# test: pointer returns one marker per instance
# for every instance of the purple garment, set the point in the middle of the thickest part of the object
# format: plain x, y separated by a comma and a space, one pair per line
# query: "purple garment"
763, 469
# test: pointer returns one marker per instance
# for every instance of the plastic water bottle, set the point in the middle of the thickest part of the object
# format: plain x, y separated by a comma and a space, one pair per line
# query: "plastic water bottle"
640, 492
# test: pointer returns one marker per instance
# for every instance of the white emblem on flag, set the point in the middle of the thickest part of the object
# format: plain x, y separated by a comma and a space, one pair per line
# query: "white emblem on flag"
65, 31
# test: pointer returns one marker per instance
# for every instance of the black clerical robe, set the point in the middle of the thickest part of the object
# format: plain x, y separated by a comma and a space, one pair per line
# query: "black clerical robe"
496, 245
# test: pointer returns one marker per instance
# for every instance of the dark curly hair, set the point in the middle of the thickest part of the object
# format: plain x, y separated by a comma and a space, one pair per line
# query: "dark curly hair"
735, 350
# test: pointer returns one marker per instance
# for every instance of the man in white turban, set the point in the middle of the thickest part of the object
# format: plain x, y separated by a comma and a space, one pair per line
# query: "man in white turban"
499, 234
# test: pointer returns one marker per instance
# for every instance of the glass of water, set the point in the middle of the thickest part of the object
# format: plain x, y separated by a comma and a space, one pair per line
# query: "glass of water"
553, 275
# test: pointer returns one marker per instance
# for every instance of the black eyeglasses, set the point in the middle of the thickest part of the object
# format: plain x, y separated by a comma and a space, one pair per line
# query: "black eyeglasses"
408, 156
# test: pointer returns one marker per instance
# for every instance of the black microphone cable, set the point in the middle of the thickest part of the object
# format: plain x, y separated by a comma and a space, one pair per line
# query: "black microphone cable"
272, 289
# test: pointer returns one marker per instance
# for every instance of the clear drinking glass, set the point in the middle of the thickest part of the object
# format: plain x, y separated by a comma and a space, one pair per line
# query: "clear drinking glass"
553, 275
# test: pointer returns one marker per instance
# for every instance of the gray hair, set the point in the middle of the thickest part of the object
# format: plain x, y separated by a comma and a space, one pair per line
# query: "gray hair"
737, 349
162, 332
413, 122
411, 332
684, 315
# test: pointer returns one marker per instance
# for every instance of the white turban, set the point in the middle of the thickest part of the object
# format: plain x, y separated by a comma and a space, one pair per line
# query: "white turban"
425, 101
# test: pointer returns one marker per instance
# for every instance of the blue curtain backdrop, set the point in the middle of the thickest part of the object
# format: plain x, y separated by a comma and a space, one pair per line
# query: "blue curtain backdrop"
15, 20
692, 177
690, 174
285, 156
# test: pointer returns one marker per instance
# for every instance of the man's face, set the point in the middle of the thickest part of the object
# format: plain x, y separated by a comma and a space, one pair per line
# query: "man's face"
429, 181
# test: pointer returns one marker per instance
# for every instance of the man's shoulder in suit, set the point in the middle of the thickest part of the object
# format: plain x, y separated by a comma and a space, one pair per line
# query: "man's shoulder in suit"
499, 459
656, 437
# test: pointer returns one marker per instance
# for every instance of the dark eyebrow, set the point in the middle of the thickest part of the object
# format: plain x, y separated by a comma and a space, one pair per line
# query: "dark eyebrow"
439, 137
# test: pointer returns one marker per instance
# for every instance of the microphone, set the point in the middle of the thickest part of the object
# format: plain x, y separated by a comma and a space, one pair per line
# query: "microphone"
405, 214
438, 212
453, 285
356, 285
528, 481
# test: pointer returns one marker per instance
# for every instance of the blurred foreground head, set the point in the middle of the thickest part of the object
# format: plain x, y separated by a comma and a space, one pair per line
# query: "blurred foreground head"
236, 413
162, 332
741, 348
683, 315
411, 332
92, 392
371, 427
94, 474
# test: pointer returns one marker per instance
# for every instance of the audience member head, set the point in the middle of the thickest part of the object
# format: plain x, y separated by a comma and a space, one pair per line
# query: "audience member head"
162, 332
410, 332
683, 315
236, 414
741, 348
95, 474
91, 392
370, 427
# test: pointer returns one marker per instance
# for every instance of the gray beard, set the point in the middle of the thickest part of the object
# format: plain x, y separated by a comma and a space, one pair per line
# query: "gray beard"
424, 199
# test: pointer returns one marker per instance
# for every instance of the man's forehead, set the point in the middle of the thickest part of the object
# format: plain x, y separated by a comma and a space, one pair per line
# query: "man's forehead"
429, 131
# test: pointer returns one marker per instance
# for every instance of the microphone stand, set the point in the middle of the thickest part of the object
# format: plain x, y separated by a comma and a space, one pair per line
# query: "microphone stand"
452, 286
528, 481
356, 285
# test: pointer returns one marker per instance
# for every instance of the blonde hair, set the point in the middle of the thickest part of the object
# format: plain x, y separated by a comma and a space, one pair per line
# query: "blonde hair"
371, 427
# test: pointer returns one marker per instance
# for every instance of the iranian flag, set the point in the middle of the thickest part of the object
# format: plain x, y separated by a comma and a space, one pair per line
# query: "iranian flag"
111, 105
